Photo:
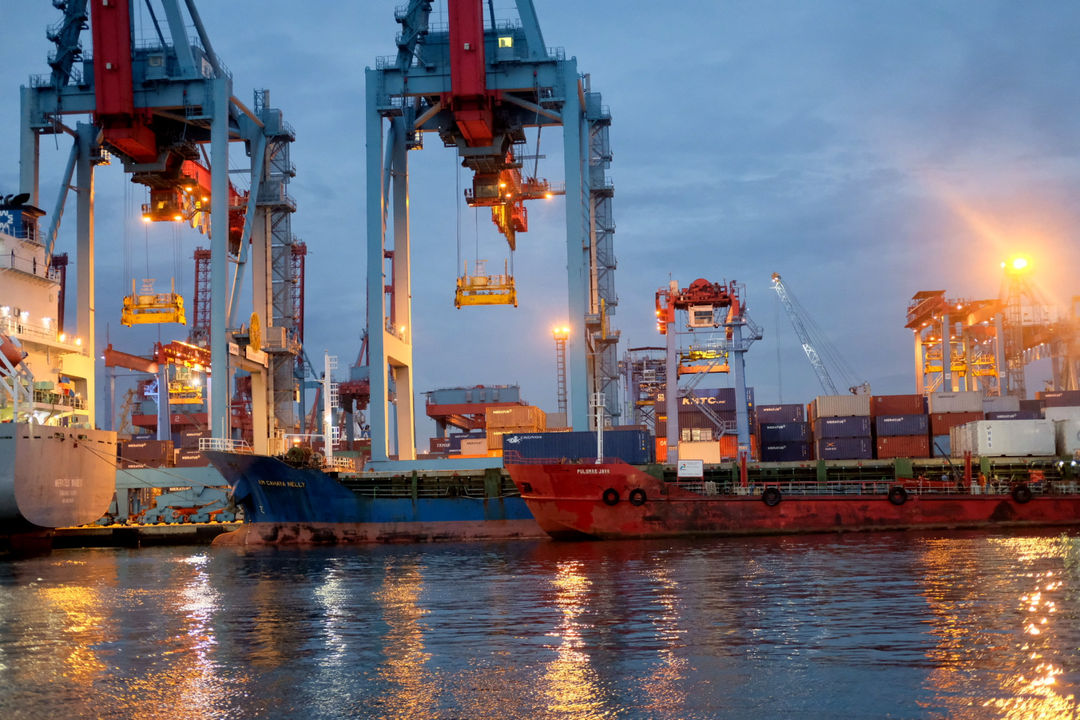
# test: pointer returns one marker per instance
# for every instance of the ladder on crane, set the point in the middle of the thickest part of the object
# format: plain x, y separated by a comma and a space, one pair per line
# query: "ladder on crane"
811, 337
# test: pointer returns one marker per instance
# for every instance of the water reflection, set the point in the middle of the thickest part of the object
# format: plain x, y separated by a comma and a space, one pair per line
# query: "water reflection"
409, 688
1022, 645
570, 682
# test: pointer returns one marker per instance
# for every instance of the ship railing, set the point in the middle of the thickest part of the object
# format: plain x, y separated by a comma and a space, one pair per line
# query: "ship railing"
225, 445
912, 486
346, 464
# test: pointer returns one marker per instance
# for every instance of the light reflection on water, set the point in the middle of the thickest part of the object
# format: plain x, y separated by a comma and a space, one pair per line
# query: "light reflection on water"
892, 625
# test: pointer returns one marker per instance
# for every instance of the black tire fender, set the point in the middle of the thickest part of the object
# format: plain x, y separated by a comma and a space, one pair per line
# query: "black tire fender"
771, 496
638, 497
1021, 493
897, 495
611, 497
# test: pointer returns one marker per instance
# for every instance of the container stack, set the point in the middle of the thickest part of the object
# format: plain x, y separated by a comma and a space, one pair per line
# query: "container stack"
949, 410
783, 434
634, 447
696, 412
841, 425
501, 421
144, 452
187, 448
901, 426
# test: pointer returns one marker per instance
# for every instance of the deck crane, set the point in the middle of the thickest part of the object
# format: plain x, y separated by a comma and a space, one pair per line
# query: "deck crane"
797, 315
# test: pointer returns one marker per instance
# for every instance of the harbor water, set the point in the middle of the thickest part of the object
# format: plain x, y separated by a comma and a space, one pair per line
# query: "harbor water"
891, 625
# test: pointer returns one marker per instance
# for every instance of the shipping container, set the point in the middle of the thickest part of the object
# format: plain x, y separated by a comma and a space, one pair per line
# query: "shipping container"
1004, 438
1068, 437
1016, 415
474, 446
964, 401
940, 446
1059, 398
1034, 406
941, 423
456, 438
187, 457
717, 398
842, 427
784, 432
708, 452
1061, 413
661, 449
847, 448
790, 413
729, 447
840, 406
1001, 403
897, 405
903, 446
901, 425
530, 417
439, 444
785, 452
635, 447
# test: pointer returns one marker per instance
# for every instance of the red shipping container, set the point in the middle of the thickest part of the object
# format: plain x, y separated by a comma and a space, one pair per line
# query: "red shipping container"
903, 446
942, 423
897, 405
661, 449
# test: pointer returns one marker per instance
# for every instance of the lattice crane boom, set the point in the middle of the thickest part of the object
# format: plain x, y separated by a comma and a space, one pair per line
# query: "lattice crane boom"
804, 336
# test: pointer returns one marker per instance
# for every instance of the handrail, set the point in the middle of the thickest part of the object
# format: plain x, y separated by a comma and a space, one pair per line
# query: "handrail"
225, 445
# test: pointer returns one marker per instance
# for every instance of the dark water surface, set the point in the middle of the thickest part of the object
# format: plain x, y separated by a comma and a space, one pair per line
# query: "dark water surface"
854, 626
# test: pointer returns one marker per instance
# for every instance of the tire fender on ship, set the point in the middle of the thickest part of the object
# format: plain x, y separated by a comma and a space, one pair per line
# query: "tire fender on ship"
897, 495
1021, 493
611, 497
637, 497
771, 496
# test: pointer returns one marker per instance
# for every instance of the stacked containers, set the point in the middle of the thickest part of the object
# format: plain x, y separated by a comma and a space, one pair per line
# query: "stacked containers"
142, 452
1003, 438
783, 433
512, 419
697, 426
952, 409
842, 427
187, 448
900, 426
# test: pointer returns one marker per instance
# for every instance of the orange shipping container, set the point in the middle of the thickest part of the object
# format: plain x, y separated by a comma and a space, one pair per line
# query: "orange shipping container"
729, 447
661, 449
529, 417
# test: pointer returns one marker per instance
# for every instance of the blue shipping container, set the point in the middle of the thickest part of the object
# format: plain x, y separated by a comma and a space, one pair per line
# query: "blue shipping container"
781, 413
940, 446
845, 448
784, 432
716, 398
785, 452
851, 426
1014, 415
635, 447
896, 425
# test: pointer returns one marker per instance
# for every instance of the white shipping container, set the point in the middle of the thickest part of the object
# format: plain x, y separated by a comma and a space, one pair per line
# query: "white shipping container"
1006, 438
957, 402
708, 452
1061, 413
1068, 437
841, 405
1001, 403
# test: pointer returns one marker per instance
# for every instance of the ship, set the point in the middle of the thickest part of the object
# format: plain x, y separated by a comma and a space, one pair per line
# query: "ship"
296, 498
56, 469
614, 500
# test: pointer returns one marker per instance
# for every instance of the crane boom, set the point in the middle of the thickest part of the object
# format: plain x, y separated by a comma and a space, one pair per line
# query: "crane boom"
804, 336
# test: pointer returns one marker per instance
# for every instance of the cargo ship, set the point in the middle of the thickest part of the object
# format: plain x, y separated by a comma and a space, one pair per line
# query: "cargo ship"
55, 468
296, 499
1002, 473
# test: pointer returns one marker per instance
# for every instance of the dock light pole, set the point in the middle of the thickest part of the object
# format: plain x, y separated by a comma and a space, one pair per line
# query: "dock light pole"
560, 333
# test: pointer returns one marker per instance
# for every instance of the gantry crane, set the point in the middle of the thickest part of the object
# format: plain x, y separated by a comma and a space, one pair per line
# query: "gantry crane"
811, 340
708, 307
479, 85
156, 104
